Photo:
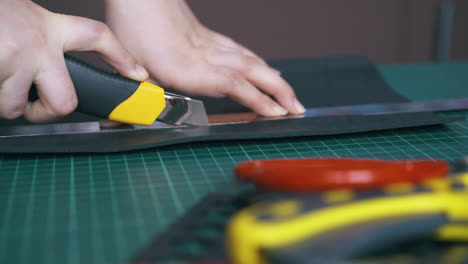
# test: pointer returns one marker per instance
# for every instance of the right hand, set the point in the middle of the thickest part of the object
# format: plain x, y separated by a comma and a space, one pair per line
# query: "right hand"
32, 43
179, 52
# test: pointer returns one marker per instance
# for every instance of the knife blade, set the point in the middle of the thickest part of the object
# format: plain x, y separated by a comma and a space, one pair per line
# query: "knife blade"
111, 96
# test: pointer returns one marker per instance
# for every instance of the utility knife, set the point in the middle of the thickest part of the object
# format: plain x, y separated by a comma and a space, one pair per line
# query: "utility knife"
111, 96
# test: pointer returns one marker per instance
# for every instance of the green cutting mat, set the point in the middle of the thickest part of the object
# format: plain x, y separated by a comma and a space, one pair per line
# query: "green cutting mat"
102, 208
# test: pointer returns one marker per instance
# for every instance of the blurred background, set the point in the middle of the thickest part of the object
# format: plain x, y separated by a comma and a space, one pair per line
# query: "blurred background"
388, 31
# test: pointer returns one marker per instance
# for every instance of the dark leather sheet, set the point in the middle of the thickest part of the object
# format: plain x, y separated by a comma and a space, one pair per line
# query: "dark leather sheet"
318, 82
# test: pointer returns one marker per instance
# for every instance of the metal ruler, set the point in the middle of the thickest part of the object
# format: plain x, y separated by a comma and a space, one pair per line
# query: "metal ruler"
235, 118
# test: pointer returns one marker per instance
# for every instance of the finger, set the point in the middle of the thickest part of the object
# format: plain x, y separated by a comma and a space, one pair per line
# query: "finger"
247, 53
9, 52
84, 34
57, 95
250, 53
239, 89
12, 99
268, 81
264, 78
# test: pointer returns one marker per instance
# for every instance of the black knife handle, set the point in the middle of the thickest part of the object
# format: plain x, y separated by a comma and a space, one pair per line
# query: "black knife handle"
100, 93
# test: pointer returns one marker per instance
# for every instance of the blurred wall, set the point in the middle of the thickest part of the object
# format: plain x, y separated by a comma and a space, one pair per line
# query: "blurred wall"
461, 30
389, 31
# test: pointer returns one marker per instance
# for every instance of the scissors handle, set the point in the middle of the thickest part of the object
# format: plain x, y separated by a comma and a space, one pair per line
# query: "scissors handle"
364, 239
273, 225
321, 174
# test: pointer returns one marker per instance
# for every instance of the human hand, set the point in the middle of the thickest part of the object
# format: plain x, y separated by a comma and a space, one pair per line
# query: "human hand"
32, 43
179, 52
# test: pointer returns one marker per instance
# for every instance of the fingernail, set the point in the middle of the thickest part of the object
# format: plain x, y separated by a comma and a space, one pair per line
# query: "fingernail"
298, 106
277, 72
141, 72
278, 110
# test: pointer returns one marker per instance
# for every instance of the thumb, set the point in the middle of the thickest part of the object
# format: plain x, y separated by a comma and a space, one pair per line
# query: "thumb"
82, 34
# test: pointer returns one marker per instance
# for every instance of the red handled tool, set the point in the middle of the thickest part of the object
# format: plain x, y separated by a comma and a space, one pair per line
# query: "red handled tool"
321, 174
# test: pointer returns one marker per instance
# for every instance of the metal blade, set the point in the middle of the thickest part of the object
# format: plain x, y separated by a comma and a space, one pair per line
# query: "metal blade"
374, 109
198, 116
183, 110
49, 129
72, 128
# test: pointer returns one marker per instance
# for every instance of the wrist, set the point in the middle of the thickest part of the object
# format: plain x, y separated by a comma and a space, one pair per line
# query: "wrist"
140, 4
166, 17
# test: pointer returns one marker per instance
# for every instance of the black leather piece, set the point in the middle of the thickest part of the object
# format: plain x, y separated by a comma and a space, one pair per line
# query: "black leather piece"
318, 82
329, 81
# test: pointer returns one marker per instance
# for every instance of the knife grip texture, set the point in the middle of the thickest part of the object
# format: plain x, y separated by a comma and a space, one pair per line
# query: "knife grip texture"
111, 96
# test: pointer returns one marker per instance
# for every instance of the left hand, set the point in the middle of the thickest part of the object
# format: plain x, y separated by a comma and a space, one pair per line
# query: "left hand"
181, 53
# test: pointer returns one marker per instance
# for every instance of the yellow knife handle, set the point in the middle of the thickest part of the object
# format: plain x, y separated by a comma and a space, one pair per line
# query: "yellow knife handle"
111, 96
142, 107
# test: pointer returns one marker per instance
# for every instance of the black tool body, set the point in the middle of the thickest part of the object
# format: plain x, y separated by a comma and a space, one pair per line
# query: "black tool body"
99, 92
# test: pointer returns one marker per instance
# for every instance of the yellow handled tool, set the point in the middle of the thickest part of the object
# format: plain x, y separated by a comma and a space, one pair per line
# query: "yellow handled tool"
437, 207
114, 97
